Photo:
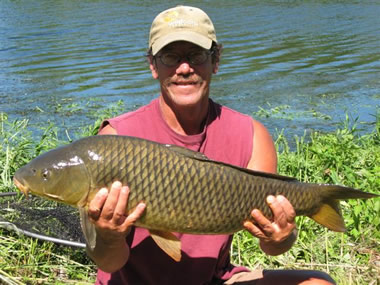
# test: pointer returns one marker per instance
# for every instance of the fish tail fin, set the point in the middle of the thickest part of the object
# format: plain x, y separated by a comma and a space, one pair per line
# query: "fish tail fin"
344, 193
329, 213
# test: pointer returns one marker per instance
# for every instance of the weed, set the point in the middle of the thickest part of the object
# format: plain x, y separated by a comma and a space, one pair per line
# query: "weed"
342, 157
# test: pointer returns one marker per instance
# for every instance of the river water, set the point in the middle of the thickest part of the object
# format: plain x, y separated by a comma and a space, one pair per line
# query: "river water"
306, 63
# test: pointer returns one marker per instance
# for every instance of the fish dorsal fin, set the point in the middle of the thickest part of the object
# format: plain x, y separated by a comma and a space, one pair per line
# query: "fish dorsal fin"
330, 217
186, 152
201, 157
168, 242
88, 228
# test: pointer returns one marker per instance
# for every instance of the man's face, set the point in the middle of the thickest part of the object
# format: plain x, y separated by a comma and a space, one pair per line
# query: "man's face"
183, 83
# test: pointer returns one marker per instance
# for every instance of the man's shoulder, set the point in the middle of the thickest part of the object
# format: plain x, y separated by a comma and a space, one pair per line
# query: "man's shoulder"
138, 114
134, 123
226, 113
230, 136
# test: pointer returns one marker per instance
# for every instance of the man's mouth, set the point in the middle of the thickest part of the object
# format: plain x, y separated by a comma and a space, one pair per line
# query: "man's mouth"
185, 83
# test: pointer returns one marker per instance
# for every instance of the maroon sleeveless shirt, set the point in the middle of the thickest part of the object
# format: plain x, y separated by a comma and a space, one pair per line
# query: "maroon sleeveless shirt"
227, 137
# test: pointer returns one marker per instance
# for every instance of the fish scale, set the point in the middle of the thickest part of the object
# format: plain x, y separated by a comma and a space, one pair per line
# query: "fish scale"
142, 162
183, 190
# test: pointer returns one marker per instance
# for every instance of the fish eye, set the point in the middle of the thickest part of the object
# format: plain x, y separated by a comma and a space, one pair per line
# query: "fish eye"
45, 174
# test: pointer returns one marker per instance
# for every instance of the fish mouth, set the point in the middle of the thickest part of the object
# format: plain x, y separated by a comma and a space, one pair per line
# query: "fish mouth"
24, 189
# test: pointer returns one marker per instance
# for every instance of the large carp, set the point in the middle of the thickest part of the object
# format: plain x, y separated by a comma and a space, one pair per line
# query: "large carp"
183, 190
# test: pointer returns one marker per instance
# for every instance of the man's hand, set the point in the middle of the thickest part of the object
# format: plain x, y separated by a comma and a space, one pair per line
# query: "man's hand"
107, 211
276, 235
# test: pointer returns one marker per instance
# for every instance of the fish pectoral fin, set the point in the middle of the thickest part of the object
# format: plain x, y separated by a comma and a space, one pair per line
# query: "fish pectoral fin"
88, 228
168, 242
329, 216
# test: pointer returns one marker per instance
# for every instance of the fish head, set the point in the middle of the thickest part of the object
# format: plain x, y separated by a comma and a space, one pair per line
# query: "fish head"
59, 175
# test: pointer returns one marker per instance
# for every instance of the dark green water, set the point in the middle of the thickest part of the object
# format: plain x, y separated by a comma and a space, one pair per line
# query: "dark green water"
313, 60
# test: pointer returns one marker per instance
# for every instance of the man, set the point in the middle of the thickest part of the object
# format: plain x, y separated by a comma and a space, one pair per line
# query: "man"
183, 55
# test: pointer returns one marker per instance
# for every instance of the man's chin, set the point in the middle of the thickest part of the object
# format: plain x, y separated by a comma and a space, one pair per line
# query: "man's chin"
187, 89
187, 100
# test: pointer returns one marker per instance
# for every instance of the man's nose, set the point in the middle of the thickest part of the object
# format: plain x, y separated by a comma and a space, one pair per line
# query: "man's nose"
184, 67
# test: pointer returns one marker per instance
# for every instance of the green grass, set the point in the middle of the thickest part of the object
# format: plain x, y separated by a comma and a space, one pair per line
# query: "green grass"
285, 112
26, 260
343, 157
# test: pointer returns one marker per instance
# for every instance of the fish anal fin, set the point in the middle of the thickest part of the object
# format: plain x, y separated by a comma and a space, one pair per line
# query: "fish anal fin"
88, 228
329, 216
168, 242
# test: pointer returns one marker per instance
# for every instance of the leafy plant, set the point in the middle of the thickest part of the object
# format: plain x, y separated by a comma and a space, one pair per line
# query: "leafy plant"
343, 157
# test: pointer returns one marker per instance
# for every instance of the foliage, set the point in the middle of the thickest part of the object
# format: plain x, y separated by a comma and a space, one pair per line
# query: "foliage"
346, 158
26, 260
286, 112
18, 146
343, 157
23, 259
109, 112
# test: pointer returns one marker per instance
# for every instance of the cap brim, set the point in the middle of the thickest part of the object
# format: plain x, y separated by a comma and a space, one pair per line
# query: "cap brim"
187, 36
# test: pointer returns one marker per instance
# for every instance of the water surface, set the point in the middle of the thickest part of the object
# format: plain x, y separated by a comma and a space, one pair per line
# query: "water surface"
314, 60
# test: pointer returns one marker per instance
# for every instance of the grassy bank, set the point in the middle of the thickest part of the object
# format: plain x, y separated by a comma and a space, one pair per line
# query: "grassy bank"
345, 158
342, 157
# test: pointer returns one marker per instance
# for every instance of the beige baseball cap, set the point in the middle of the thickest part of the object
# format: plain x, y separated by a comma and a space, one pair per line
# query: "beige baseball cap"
181, 23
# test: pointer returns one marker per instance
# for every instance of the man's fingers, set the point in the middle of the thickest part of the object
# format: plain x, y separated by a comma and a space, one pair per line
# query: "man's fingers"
253, 229
262, 223
108, 211
276, 229
96, 205
119, 214
112, 200
288, 208
135, 215
280, 214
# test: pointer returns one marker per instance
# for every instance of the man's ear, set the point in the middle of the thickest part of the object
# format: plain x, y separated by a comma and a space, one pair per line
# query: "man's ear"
153, 67
215, 67
216, 57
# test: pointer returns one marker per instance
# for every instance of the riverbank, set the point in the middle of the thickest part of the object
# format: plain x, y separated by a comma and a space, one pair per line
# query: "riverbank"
341, 157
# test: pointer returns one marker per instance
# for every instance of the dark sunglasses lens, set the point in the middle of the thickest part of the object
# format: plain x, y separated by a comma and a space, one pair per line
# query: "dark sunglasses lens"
170, 59
198, 57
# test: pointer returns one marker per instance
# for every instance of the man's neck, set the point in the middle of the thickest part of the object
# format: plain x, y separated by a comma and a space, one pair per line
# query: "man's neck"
186, 120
